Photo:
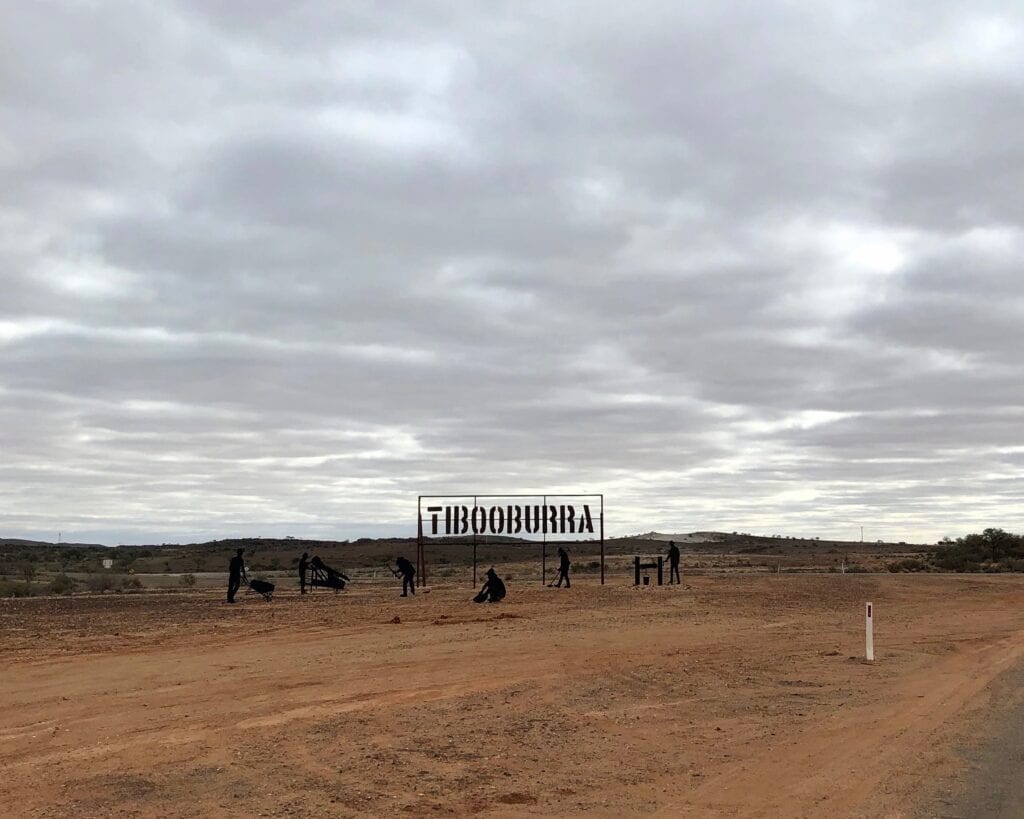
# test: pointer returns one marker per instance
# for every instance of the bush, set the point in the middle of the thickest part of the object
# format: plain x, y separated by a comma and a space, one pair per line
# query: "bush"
99, 583
910, 564
62, 584
994, 550
8, 588
187, 581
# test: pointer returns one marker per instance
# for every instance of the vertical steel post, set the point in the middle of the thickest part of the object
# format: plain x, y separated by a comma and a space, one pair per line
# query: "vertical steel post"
472, 521
420, 571
544, 541
602, 540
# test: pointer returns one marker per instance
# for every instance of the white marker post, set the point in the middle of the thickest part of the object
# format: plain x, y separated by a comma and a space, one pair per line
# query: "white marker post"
869, 637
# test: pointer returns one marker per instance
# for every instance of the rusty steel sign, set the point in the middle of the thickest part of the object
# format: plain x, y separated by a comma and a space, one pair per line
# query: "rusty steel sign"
511, 519
530, 517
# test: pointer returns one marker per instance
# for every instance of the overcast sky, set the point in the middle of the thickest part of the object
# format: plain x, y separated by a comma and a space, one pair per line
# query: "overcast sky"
277, 268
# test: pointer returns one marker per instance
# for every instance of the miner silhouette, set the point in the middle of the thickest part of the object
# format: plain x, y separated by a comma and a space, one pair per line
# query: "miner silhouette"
563, 569
303, 565
673, 562
408, 574
236, 574
493, 590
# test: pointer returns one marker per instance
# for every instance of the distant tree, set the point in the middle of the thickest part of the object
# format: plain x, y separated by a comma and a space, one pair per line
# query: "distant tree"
993, 550
28, 571
999, 542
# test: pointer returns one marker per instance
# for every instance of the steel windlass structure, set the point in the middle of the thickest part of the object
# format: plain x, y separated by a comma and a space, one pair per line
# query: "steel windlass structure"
556, 515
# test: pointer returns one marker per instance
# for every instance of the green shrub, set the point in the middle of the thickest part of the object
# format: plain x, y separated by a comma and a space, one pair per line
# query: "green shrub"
8, 588
62, 584
909, 564
994, 550
100, 583
187, 581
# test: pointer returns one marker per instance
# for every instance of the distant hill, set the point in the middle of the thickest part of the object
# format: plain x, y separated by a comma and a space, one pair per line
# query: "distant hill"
280, 554
684, 537
7, 541
741, 542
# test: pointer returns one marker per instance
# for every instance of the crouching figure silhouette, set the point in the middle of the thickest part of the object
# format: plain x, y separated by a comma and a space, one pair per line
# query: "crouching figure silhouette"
493, 590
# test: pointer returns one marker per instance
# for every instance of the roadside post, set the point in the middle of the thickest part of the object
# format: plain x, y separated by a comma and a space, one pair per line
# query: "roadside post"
869, 633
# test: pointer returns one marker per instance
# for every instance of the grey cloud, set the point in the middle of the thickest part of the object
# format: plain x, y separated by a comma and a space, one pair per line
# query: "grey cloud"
281, 269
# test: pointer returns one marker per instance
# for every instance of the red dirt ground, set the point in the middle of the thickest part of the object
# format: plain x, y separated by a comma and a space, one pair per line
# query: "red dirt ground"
733, 696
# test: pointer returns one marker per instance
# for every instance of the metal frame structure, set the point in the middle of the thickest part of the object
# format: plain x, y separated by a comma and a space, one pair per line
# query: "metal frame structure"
421, 560
653, 563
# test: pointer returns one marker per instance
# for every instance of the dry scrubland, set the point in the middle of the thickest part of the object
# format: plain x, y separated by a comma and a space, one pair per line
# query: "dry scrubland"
28, 567
739, 694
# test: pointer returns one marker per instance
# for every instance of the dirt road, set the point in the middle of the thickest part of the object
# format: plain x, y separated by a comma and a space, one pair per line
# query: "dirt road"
738, 696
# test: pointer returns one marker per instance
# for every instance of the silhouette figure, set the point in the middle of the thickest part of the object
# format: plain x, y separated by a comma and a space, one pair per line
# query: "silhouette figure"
563, 569
493, 590
303, 564
673, 562
236, 574
323, 575
408, 575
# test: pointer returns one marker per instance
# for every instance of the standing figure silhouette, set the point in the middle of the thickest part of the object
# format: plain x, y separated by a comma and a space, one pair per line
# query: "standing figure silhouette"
236, 574
673, 562
563, 569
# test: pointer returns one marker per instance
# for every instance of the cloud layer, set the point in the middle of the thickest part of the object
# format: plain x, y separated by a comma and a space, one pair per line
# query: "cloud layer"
280, 270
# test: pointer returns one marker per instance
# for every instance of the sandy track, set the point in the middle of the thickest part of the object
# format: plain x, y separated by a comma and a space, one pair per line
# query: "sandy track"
739, 696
